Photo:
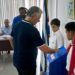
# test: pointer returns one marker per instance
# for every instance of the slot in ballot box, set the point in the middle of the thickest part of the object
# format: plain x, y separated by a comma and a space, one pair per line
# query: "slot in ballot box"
57, 63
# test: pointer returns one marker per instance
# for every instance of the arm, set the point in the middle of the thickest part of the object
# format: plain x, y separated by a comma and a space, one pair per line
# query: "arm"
47, 49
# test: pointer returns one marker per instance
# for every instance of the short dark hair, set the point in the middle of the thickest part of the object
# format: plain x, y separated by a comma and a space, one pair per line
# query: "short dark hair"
56, 22
70, 26
34, 9
23, 8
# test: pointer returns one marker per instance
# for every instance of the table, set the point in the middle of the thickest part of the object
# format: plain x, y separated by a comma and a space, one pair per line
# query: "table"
5, 44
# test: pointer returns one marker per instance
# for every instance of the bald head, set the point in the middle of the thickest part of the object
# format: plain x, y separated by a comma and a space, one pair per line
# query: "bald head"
6, 22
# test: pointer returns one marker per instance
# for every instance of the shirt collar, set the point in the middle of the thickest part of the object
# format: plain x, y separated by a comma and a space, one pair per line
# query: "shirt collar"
56, 32
26, 21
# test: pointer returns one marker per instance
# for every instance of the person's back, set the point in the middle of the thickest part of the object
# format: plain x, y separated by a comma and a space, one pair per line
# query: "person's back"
22, 35
25, 50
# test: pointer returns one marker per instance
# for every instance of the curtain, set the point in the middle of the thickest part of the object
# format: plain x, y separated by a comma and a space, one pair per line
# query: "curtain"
9, 8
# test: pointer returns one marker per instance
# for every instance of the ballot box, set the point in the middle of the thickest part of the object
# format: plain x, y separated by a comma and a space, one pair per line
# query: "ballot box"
57, 63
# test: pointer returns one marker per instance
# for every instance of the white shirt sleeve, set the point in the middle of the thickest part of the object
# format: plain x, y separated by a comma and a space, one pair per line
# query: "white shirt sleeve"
52, 42
59, 40
69, 59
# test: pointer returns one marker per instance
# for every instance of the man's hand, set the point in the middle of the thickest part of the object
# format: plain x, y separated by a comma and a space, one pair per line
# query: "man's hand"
47, 49
56, 50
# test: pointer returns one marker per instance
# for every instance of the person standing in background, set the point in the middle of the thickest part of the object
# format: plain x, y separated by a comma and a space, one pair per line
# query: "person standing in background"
21, 16
70, 32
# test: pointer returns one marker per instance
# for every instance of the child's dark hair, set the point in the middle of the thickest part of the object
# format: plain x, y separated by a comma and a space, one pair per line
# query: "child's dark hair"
56, 22
70, 26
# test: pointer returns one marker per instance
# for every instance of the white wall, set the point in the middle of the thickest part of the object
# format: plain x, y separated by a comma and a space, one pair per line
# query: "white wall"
58, 8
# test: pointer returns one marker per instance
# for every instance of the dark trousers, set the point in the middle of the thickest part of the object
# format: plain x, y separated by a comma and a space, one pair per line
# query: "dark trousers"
26, 72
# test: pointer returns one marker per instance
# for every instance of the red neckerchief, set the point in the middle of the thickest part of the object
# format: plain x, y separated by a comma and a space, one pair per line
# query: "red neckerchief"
72, 62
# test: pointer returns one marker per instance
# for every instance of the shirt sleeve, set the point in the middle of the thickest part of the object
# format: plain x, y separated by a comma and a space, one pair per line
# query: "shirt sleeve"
60, 40
37, 40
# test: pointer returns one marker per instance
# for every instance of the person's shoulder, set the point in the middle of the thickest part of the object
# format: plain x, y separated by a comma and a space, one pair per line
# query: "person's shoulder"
16, 17
35, 30
58, 32
21, 24
59, 35
26, 24
30, 26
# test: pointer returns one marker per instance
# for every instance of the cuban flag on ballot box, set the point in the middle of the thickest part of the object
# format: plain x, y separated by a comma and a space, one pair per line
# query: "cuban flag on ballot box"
57, 55
57, 62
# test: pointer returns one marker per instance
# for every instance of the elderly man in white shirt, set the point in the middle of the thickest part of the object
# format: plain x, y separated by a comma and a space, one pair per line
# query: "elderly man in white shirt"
6, 30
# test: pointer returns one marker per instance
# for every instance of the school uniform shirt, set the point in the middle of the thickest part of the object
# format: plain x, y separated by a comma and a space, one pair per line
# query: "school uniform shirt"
56, 41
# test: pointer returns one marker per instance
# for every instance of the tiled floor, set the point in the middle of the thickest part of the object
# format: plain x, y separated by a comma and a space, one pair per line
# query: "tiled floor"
6, 65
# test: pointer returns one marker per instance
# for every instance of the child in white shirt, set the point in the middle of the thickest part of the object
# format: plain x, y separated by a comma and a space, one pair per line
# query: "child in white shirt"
56, 40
